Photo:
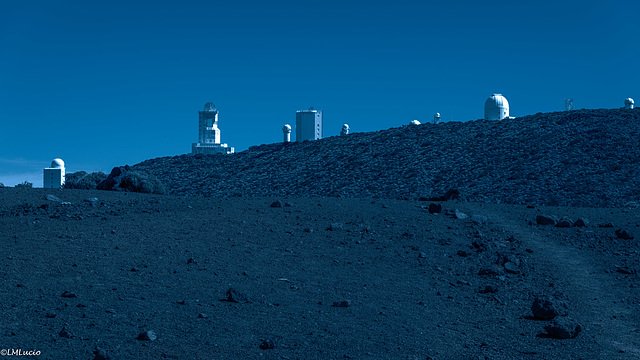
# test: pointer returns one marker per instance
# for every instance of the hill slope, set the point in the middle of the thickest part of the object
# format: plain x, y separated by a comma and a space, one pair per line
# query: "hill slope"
577, 158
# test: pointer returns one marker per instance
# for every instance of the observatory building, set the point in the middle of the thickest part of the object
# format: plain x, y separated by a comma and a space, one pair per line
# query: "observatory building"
54, 175
628, 103
308, 125
496, 107
209, 134
286, 132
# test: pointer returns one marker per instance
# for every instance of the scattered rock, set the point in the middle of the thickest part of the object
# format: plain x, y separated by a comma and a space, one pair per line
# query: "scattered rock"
191, 261
91, 200
488, 290
623, 234
343, 303
490, 271
276, 204
203, 316
435, 208
267, 345
563, 328
625, 270
511, 267
606, 225
53, 198
479, 246
100, 354
65, 333
68, 294
335, 226
479, 219
545, 220
235, 297
547, 309
288, 204
563, 224
457, 214
581, 222
422, 255
147, 335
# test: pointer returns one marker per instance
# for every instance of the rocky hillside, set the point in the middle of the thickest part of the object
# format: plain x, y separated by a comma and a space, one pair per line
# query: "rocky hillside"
577, 158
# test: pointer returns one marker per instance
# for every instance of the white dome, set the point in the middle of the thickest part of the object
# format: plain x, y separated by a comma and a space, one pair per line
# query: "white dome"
628, 103
414, 122
57, 164
209, 106
286, 128
496, 107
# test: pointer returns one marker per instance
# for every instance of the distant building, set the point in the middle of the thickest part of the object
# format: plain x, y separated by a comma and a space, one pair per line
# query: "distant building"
209, 134
414, 122
496, 107
344, 130
54, 175
308, 125
628, 103
437, 118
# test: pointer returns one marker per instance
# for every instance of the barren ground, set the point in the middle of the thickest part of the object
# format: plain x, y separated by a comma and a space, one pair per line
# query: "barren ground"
141, 262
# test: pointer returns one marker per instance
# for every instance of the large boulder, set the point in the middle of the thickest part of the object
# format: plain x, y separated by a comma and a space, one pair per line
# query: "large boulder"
123, 178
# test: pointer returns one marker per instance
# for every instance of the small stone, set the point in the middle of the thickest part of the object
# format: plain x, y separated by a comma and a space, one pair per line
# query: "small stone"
343, 303
100, 354
235, 297
623, 234
435, 208
276, 204
335, 226
53, 198
625, 270
91, 200
606, 225
65, 333
545, 220
490, 271
563, 224
511, 267
457, 214
488, 290
203, 316
147, 335
581, 222
422, 255
479, 219
191, 261
288, 204
68, 294
267, 345
547, 309
50, 315
563, 328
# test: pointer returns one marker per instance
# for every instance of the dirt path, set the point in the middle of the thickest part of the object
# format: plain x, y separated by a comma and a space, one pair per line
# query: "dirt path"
597, 298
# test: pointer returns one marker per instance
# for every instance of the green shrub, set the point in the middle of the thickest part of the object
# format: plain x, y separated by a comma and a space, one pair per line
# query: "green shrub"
24, 185
82, 180
139, 181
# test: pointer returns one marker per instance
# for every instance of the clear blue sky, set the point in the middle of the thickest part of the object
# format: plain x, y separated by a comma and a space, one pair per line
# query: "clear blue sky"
102, 84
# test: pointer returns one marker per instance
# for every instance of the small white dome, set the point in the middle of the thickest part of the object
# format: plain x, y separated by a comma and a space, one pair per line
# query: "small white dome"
57, 164
496, 107
286, 128
209, 106
628, 103
345, 126
414, 122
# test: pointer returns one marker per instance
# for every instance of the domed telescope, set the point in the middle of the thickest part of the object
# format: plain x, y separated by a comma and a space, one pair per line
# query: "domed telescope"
286, 131
496, 107
54, 175
628, 103
437, 118
414, 122
345, 130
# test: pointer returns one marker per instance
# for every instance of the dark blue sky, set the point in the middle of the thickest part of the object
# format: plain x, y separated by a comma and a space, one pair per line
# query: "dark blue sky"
114, 84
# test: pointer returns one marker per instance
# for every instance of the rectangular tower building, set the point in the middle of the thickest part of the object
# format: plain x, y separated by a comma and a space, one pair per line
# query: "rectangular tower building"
209, 134
308, 125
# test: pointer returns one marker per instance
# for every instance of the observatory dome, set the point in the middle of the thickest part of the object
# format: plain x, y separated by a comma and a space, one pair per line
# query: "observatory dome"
209, 106
57, 164
496, 107
286, 128
628, 103
414, 122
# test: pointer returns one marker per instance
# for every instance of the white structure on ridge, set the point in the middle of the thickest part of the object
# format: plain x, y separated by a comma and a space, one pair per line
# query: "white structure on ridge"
496, 107
437, 118
286, 131
209, 134
414, 122
345, 129
308, 125
628, 103
54, 175
568, 104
